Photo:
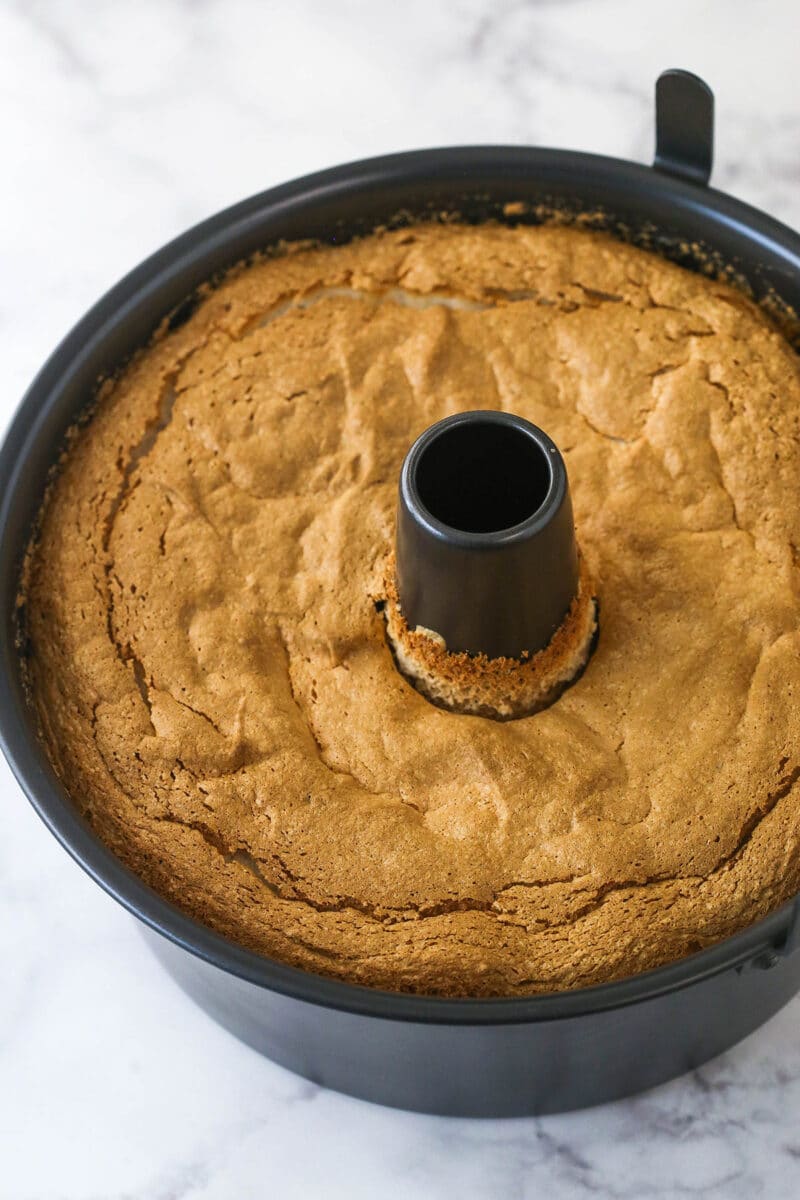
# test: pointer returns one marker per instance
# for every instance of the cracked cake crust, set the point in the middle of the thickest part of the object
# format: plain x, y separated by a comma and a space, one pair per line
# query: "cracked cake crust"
212, 675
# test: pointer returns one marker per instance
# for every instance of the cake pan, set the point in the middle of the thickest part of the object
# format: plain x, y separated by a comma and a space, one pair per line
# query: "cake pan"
461, 1057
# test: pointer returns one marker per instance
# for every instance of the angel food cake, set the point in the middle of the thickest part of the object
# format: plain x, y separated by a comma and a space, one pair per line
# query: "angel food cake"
205, 608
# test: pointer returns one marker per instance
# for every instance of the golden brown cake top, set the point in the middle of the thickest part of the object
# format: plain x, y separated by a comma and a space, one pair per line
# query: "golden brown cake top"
210, 662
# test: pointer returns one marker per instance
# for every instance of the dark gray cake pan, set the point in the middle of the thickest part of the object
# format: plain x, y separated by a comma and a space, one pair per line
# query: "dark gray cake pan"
462, 1057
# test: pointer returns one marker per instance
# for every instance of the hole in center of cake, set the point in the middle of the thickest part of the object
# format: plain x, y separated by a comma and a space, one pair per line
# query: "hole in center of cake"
483, 477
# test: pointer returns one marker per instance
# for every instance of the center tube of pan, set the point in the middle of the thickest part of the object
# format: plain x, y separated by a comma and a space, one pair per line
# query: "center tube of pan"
486, 557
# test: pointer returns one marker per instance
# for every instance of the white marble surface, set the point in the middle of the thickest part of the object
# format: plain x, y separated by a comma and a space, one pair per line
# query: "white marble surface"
120, 124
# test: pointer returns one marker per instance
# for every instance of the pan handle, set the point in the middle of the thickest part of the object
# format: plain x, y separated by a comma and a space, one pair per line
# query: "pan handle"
684, 126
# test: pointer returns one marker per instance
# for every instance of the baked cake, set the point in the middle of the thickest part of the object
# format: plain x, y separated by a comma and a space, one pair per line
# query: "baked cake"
206, 611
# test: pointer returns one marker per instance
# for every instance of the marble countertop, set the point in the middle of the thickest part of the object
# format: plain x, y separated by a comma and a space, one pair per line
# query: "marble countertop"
120, 125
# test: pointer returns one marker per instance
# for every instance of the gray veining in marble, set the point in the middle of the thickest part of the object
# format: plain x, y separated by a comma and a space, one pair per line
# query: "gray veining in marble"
120, 124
